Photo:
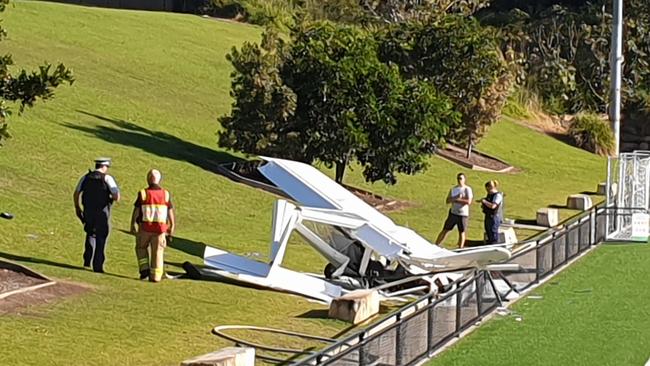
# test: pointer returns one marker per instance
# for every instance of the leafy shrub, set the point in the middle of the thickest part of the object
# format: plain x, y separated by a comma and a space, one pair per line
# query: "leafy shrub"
523, 104
223, 8
277, 13
592, 133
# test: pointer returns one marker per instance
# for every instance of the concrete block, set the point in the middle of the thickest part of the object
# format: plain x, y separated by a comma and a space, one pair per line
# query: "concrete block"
229, 356
507, 235
602, 189
548, 217
355, 306
579, 202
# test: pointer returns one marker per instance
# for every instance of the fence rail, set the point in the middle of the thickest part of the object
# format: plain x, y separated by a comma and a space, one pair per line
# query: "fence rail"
417, 330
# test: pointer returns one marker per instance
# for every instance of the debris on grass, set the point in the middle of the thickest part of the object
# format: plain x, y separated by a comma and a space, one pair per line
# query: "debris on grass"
583, 291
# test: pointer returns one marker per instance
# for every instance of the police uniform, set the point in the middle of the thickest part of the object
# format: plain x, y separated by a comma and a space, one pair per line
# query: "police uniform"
493, 216
97, 191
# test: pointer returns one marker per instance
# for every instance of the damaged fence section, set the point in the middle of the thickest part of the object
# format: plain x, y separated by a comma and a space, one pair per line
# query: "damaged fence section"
416, 331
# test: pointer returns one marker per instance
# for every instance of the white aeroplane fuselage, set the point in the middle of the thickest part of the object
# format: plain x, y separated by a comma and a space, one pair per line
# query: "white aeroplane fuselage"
359, 242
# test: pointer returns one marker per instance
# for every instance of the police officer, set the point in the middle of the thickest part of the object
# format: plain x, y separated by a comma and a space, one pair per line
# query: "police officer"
492, 208
98, 191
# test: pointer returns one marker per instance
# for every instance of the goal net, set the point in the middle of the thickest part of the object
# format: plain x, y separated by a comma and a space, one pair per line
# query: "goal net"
628, 196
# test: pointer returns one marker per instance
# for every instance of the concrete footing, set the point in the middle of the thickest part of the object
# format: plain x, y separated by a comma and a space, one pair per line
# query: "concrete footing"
547, 217
229, 356
355, 307
579, 202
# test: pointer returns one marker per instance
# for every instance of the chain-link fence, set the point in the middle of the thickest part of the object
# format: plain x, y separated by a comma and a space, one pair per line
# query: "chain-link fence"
417, 330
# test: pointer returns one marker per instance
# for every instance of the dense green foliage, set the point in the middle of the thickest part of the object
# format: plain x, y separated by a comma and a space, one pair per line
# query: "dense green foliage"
477, 86
592, 133
326, 96
564, 49
25, 87
561, 46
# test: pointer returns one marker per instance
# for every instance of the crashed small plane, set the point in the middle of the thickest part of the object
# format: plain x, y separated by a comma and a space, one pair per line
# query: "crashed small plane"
363, 247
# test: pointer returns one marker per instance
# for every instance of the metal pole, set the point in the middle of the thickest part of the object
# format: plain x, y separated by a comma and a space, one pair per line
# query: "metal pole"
608, 195
616, 65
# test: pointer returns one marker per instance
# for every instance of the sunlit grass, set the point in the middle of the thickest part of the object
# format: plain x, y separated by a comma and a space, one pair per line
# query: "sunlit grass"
149, 89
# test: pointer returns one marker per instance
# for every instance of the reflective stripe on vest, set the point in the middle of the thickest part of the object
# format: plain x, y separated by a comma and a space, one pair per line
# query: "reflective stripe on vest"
154, 209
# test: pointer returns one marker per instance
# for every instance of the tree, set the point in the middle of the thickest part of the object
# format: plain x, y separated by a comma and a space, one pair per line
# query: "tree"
327, 97
565, 48
26, 87
461, 59
395, 11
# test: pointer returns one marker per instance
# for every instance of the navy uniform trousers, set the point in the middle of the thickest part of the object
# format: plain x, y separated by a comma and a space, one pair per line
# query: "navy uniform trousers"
97, 227
491, 224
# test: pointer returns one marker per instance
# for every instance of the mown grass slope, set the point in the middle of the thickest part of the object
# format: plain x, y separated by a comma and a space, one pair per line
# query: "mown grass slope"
149, 89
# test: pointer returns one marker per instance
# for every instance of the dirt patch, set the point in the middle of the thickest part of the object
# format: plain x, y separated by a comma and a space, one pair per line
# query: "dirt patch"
382, 204
246, 172
11, 280
556, 127
18, 303
477, 161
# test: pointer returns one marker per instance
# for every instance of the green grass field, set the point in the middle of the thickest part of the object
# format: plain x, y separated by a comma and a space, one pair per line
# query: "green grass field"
149, 89
593, 313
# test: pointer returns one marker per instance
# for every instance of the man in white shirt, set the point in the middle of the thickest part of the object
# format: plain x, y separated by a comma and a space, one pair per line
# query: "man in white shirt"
97, 191
460, 197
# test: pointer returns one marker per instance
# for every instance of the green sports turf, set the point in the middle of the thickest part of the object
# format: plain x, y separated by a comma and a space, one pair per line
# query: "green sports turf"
593, 313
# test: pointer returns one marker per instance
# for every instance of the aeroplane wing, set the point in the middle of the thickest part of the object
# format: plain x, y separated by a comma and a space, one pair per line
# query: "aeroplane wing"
243, 270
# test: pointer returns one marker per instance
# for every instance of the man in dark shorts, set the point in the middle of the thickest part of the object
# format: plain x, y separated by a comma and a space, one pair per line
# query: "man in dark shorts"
460, 197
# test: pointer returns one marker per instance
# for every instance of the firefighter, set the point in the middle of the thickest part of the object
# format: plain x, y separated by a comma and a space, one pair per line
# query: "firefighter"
152, 222
97, 191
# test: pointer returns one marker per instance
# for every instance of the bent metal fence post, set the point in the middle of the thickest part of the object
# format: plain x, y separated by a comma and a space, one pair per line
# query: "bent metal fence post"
417, 330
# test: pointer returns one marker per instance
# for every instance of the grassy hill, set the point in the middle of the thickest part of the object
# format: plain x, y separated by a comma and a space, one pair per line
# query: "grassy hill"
149, 89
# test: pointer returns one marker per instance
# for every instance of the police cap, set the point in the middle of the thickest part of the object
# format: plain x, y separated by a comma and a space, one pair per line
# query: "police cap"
103, 161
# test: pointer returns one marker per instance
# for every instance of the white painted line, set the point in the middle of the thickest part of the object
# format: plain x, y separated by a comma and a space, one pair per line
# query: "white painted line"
25, 289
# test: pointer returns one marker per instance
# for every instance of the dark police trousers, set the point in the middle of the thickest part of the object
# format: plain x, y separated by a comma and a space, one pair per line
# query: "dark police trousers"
491, 224
96, 226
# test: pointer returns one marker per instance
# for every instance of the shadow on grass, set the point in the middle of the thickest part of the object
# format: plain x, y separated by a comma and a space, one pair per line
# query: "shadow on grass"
191, 247
527, 222
557, 206
47, 262
315, 314
590, 193
474, 243
565, 138
155, 142
188, 246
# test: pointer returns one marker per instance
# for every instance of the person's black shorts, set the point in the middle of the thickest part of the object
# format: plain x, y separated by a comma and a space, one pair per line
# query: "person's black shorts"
456, 220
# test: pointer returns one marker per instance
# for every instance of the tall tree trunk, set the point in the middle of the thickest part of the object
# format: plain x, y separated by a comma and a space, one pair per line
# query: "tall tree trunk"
340, 170
469, 149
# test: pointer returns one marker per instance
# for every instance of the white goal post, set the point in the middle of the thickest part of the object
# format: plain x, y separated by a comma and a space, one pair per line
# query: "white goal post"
628, 196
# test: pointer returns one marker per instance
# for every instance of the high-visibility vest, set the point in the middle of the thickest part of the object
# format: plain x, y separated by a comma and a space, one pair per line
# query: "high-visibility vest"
154, 210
